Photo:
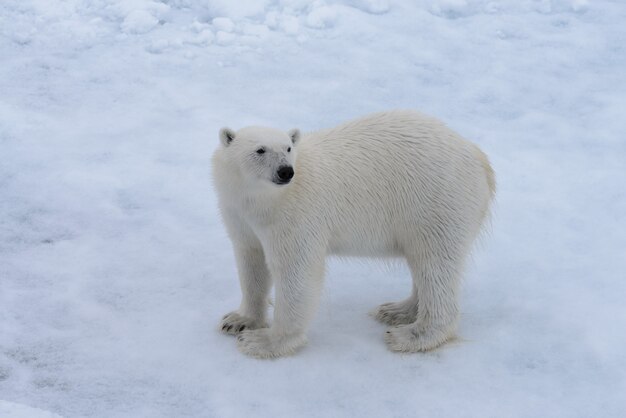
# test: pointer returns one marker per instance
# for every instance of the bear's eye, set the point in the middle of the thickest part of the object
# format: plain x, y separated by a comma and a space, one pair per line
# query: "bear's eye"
260, 151
289, 149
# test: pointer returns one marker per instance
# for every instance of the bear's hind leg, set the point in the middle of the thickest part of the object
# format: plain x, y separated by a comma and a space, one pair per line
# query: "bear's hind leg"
436, 277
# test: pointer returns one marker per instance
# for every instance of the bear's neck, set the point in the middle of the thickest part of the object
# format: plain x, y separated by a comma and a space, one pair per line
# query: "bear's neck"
257, 204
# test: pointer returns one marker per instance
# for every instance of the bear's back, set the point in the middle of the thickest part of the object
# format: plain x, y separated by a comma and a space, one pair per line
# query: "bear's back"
389, 171
397, 148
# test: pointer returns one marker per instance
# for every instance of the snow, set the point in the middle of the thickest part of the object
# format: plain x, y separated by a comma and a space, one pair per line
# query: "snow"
139, 21
115, 268
321, 17
14, 410
223, 24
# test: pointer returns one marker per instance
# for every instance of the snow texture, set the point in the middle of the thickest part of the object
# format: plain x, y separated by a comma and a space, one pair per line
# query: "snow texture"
14, 410
115, 268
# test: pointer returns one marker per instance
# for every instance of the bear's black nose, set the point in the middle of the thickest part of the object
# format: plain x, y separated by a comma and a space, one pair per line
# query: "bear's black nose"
285, 173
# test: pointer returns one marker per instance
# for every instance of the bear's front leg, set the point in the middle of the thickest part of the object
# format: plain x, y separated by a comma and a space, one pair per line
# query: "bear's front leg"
255, 284
298, 273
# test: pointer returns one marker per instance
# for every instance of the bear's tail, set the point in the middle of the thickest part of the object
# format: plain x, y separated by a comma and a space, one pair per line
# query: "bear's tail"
490, 177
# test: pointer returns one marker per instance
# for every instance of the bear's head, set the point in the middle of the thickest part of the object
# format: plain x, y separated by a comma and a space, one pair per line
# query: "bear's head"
259, 156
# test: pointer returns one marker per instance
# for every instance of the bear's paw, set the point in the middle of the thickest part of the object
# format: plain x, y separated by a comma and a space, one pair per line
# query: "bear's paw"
413, 338
262, 343
234, 323
396, 313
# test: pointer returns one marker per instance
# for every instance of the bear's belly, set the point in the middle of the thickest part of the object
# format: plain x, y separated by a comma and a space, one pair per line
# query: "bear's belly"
364, 245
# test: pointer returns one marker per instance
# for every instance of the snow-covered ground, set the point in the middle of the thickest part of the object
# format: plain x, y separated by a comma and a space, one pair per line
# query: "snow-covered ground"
115, 268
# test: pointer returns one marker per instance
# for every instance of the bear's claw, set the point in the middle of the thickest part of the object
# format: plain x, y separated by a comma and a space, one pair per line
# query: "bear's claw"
233, 323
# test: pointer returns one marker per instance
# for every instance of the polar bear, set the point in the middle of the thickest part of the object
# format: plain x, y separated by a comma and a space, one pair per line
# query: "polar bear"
393, 184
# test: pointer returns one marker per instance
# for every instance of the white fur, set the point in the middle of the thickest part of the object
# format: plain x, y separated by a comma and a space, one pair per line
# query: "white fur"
393, 184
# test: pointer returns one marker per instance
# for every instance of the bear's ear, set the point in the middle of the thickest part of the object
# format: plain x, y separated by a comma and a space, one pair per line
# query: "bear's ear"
294, 134
226, 136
